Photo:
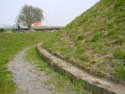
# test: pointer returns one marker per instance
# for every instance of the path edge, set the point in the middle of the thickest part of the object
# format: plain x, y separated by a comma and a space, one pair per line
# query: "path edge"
95, 89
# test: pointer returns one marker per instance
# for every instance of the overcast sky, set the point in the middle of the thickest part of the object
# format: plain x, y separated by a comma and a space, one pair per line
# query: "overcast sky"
56, 12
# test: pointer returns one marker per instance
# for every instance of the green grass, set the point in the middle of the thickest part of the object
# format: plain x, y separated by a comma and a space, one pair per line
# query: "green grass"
62, 83
10, 45
120, 71
120, 54
95, 39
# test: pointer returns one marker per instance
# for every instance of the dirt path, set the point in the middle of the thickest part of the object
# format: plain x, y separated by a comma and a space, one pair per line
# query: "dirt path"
27, 78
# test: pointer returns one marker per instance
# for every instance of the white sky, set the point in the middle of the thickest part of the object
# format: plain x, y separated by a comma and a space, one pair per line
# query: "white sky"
56, 12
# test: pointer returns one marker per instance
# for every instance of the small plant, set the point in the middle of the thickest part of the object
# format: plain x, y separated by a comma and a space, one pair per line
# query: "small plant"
120, 72
119, 54
110, 33
119, 40
81, 37
119, 3
96, 36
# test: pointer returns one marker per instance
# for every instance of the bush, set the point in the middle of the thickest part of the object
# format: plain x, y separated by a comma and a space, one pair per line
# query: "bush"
2, 30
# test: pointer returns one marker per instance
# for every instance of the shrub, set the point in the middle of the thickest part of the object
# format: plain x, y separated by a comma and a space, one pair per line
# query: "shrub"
2, 30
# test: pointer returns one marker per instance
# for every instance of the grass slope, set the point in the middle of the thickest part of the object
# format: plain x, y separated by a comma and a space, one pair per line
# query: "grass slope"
10, 44
95, 40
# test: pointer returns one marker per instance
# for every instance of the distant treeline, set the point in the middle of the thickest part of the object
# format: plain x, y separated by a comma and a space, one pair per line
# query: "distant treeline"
33, 29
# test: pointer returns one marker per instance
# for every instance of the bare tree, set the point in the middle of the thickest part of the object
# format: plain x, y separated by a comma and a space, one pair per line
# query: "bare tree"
29, 15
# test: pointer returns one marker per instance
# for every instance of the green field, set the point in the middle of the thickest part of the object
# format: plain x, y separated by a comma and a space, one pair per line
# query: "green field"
95, 40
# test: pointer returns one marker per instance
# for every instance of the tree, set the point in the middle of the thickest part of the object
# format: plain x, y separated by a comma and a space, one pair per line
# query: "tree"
29, 15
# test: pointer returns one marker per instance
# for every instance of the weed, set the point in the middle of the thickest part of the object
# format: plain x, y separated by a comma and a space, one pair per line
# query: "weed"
120, 54
96, 36
120, 72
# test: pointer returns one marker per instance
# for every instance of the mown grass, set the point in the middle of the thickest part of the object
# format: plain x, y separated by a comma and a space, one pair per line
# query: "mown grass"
95, 40
56, 83
10, 44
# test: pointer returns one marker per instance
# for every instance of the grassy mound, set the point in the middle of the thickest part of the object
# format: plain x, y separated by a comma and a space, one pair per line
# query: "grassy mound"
95, 40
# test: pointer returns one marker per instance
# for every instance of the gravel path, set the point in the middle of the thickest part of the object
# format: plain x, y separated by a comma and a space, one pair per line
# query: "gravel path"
26, 76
